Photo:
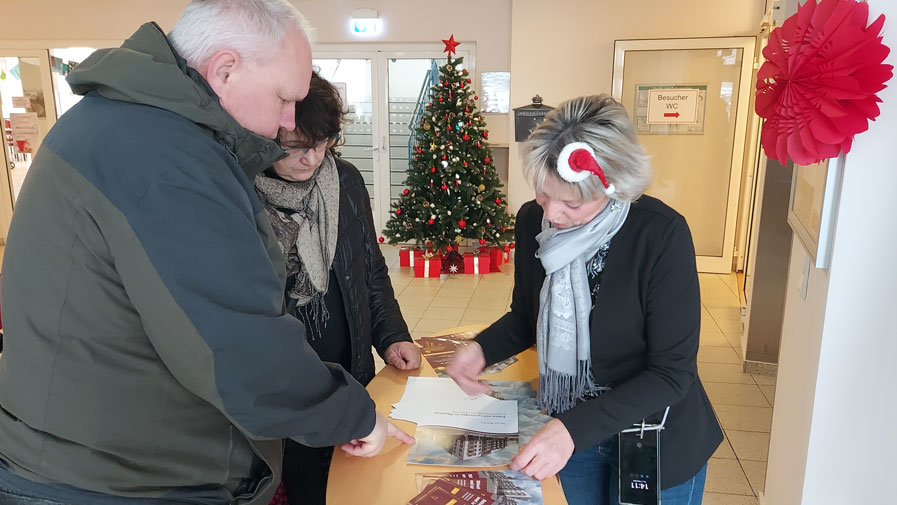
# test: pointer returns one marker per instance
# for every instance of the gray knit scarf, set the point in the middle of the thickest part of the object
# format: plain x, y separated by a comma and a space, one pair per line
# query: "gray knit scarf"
305, 218
562, 331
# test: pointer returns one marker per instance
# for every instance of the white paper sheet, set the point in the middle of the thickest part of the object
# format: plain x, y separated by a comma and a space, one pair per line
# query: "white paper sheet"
437, 401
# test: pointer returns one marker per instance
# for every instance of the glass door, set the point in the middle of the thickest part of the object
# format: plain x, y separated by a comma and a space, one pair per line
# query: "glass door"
382, 91
689, 100
353, 77
28, 111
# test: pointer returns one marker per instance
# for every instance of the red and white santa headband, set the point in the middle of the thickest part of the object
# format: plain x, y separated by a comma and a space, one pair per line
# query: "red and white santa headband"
577, 162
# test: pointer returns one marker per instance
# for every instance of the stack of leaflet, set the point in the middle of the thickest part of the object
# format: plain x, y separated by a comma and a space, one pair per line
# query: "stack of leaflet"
454, 428
436, 401
505, 487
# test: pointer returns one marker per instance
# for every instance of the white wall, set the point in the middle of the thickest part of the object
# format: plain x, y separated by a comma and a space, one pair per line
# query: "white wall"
835, 392
565, 49
487, 24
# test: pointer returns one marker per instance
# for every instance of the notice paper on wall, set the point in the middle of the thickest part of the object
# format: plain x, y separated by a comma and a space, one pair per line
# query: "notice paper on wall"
668, 109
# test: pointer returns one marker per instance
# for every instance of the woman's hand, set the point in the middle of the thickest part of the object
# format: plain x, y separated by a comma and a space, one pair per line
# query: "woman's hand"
403, 355
546, 453
465, 368
372, 444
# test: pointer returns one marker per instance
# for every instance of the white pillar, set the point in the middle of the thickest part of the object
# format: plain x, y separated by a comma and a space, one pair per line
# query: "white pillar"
836, 398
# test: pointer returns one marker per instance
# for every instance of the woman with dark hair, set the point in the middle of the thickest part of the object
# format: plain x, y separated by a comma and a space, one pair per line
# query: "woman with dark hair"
337, 282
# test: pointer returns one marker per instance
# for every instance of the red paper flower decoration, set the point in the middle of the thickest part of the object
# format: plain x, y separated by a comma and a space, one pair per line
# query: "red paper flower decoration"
817, 88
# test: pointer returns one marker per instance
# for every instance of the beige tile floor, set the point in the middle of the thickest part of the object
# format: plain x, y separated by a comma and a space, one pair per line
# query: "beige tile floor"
743, 402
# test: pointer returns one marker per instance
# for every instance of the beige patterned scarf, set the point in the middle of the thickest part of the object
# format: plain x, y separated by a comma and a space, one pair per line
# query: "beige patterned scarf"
305, 218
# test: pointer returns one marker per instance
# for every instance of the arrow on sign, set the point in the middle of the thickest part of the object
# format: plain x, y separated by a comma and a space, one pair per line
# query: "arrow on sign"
670, 114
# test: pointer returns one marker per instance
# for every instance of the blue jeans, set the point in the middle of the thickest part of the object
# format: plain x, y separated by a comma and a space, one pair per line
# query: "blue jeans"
591, 477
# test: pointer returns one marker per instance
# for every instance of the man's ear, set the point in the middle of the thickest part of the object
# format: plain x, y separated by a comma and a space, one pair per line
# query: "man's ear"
220, 68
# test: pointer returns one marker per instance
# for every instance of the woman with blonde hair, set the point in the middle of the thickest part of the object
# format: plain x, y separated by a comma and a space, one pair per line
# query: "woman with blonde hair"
606, 287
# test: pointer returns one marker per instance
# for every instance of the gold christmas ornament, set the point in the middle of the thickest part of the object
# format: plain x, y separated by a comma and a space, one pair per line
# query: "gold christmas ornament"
481, 188
426, 126
459, 239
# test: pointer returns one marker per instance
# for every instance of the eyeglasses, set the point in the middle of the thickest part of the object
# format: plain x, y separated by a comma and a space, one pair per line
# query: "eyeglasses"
303, 150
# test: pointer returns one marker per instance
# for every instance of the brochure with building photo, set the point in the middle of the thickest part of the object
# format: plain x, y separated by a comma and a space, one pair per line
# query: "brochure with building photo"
458, 430
439, 350
504, 487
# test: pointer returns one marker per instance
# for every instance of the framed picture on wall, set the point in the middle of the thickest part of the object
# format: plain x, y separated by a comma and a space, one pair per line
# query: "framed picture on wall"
815, 190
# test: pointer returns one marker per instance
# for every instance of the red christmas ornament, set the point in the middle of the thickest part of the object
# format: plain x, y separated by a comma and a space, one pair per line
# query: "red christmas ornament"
429, 105
446, 83
415, 158
462, 224
398, 212
440, 99
381, 240
511, 245
430, 221
405, 192
448, 127
419, 150
465, 163
478, 145
433, 170
482, 241
487, 160
485, 135
444, 157
466, 137
450, 45
818, 87
498, 201
476, 98
444, 187
466, 109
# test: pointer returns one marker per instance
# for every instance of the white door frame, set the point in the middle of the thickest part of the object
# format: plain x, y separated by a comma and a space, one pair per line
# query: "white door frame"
380, 54
724, 263
7, 199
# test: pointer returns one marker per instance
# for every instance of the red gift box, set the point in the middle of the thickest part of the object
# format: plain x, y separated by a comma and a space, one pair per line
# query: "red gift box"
425, 267
496, 257
407, 258
476, 263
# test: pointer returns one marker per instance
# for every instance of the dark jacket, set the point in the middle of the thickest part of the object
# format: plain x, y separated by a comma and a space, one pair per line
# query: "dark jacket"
372, 312
645, 329
147, 353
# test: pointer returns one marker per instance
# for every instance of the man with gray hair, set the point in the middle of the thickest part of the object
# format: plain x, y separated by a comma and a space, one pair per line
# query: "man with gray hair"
147, 356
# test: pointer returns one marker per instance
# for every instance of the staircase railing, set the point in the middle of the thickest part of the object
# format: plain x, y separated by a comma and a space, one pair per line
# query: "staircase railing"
431, 78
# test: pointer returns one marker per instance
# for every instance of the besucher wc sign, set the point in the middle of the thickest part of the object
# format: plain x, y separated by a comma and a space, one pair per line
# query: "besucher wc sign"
673, 106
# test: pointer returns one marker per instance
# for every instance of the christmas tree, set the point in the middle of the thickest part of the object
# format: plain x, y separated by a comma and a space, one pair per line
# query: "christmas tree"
452, 190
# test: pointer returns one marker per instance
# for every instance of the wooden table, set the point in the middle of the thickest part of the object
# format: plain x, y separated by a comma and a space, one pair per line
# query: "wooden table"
386, 479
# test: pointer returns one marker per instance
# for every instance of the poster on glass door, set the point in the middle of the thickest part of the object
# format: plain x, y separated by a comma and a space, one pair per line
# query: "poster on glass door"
25, 132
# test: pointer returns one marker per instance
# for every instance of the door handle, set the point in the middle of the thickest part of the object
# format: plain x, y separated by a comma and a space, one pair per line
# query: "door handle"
374, 149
